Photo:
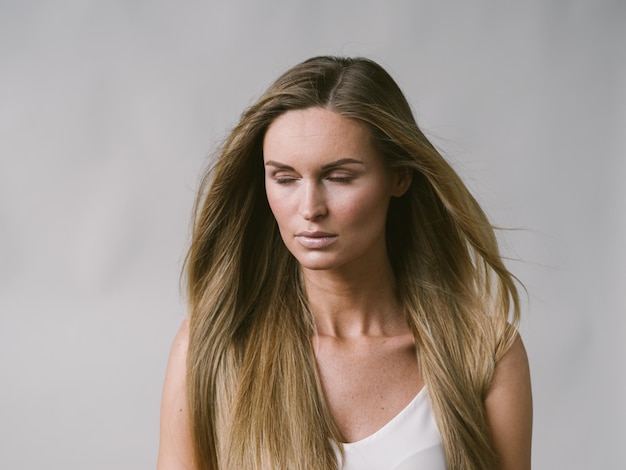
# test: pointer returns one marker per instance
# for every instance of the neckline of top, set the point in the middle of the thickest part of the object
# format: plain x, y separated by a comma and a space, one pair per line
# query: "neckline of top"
421, 395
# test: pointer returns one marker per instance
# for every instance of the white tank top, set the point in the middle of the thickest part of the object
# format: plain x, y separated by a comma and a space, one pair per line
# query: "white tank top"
410, 441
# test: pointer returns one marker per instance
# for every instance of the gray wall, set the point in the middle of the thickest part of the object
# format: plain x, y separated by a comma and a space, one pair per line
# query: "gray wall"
109, 109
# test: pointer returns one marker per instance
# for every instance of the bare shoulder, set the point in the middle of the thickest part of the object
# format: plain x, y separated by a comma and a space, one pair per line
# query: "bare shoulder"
175, 448
509, 409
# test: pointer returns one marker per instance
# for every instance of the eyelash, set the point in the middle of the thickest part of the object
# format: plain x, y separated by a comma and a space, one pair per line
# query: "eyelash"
284, 180
340, 179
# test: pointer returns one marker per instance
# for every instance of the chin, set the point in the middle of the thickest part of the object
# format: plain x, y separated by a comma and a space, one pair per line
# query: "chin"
317, 261
316, 265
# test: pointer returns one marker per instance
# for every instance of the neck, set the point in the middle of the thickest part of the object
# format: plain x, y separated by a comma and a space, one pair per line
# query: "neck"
352, 303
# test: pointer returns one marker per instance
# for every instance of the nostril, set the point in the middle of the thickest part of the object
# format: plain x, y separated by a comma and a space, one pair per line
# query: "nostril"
313, 212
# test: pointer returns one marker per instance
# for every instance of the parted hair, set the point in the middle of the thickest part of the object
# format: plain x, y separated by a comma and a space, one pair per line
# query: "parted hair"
254, 394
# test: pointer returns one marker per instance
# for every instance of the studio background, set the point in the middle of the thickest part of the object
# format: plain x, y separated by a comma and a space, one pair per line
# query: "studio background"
109, 111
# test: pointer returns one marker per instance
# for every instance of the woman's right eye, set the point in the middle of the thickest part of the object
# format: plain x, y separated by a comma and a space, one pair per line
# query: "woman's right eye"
284, 179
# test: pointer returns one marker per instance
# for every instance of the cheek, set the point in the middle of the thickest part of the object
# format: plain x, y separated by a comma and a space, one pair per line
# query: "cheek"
278, 206
369, 209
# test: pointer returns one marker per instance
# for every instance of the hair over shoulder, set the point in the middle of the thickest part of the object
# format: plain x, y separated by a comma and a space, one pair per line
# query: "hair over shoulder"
254, 393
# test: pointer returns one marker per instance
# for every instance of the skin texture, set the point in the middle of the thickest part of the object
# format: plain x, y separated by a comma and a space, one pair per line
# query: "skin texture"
329, 190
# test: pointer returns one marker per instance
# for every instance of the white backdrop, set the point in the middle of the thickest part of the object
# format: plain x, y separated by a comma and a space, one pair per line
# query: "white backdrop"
109, 109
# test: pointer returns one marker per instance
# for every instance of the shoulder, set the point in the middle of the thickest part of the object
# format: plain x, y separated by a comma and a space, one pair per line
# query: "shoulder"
175, 445
508, 406
175, 375
181, 342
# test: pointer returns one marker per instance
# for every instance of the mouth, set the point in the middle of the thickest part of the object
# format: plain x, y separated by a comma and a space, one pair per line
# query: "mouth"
316, 240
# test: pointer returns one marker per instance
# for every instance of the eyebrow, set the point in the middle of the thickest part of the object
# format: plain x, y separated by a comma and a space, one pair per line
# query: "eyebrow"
343, 161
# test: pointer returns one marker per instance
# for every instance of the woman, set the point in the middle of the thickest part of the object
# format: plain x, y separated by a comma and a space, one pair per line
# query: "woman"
348, 307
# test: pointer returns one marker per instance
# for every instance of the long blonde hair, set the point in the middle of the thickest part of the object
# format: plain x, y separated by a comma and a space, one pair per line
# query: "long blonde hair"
253, 388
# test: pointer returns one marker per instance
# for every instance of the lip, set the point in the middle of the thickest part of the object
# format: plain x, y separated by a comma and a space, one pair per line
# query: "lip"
316, 240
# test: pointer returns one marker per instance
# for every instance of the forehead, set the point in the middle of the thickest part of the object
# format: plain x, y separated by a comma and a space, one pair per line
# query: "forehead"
317, 133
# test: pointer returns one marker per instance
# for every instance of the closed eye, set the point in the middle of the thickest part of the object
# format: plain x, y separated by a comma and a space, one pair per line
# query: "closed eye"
340, 179
284, 179
340, 176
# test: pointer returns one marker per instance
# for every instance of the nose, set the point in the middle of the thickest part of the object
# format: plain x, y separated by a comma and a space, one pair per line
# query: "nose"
312, 202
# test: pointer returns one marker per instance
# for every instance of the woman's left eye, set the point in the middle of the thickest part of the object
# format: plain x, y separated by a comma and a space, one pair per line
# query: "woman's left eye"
340, 178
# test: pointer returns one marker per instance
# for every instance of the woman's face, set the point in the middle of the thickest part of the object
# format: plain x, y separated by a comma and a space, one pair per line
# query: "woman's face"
328, 189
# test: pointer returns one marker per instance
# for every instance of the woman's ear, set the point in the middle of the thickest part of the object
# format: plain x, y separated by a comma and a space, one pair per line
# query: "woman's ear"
402, 178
